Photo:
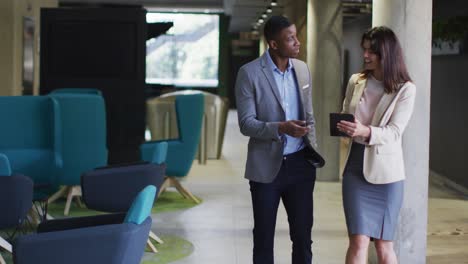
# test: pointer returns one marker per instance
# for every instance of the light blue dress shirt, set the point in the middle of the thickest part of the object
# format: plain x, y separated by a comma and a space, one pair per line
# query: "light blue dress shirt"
287, 85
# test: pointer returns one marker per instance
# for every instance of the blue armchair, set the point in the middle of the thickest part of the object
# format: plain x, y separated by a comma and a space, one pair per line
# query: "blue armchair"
83, 121
16, 193
122, 184
31, 139
181, 152
96, 239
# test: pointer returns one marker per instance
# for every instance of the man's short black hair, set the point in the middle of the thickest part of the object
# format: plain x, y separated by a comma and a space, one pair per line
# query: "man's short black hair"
274, 25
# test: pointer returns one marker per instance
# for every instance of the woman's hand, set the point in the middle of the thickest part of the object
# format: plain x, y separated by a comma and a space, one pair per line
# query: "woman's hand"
354, 129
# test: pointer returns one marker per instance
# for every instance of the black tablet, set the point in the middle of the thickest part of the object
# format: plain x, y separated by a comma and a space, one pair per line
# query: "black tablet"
334, 119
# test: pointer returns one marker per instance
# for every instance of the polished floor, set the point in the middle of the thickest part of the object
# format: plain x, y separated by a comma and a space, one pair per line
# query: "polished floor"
220, 228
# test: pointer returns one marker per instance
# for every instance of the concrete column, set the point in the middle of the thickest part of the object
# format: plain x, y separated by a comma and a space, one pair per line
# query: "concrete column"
324, 41
411, 21
6, 47
296, 12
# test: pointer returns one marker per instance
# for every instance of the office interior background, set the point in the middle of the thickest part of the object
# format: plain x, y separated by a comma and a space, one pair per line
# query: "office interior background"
136, 51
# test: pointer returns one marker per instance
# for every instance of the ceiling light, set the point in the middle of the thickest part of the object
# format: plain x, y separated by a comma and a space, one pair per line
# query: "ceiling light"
260, 20
264, 15
269, 10
274, 3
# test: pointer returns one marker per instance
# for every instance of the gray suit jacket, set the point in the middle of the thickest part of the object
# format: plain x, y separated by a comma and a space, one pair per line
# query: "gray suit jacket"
260, 111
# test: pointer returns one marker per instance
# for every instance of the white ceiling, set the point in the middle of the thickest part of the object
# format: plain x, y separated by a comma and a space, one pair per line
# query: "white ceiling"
246, 12
243, 13
155, 3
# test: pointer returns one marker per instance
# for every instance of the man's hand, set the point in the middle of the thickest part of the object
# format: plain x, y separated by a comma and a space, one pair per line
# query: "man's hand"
294, 128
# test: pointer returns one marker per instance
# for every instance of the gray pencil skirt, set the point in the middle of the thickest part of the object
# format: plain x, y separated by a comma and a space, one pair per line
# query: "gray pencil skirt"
370, 209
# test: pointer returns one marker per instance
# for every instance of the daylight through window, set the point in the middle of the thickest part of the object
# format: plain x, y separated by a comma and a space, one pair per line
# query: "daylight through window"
187, 55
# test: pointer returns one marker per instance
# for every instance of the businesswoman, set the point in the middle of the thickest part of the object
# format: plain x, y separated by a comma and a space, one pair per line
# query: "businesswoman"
381, 98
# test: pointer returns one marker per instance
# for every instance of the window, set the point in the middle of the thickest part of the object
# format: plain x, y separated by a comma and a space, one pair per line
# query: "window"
187, 55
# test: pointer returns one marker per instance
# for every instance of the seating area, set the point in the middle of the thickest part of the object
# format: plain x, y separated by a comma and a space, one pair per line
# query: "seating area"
124, 233
55, 146
53, 139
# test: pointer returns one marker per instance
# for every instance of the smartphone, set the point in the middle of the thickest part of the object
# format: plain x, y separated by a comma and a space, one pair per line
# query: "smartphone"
334, 119
306, 124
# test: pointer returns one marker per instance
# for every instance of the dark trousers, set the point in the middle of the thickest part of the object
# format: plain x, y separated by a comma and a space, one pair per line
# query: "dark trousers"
294, 185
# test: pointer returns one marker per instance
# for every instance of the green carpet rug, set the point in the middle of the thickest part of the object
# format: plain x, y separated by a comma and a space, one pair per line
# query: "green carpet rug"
172, 249
7, 256
167, 201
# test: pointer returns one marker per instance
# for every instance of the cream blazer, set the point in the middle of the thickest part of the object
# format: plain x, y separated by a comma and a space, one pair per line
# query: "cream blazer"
383, 155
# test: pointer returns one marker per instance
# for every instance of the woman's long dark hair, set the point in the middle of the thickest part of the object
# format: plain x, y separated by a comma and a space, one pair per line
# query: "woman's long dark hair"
385, 44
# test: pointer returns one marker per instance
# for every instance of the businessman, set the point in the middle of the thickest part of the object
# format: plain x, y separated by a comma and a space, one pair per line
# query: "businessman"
274, 104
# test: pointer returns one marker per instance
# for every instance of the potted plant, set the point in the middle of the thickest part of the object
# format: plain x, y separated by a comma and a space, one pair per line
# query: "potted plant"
448, 35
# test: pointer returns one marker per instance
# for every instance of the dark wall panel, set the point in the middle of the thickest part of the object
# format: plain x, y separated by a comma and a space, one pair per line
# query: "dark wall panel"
102, 48
449, 123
